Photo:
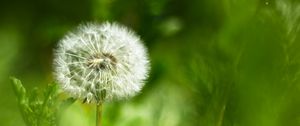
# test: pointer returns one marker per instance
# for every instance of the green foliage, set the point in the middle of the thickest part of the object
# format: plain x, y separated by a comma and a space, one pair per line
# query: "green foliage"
214, 62
39, 107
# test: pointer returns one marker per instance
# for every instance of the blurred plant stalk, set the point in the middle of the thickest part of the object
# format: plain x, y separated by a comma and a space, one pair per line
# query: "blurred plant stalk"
98, 114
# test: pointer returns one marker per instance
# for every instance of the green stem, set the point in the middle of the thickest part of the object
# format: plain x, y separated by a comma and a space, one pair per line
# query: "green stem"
98, 114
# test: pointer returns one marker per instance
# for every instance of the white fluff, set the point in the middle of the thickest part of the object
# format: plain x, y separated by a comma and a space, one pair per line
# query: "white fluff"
101, 62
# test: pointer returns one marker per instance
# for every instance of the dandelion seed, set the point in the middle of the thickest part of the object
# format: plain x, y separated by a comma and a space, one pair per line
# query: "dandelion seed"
99, 63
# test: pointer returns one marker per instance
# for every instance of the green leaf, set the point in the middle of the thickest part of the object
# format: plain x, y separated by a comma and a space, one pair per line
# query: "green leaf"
19, 90
40, 106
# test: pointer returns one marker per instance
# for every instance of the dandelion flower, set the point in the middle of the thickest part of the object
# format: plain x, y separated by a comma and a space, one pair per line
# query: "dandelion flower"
101, 62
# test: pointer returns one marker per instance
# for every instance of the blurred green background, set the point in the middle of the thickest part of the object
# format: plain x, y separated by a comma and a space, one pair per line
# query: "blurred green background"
214, 62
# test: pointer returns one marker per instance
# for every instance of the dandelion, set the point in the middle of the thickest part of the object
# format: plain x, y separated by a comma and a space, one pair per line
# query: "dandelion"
101, 62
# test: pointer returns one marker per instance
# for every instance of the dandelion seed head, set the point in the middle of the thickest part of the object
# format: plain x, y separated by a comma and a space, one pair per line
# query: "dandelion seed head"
101, 62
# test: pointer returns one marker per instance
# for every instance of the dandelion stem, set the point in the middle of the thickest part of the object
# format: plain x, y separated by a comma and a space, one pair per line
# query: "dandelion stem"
98, 114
